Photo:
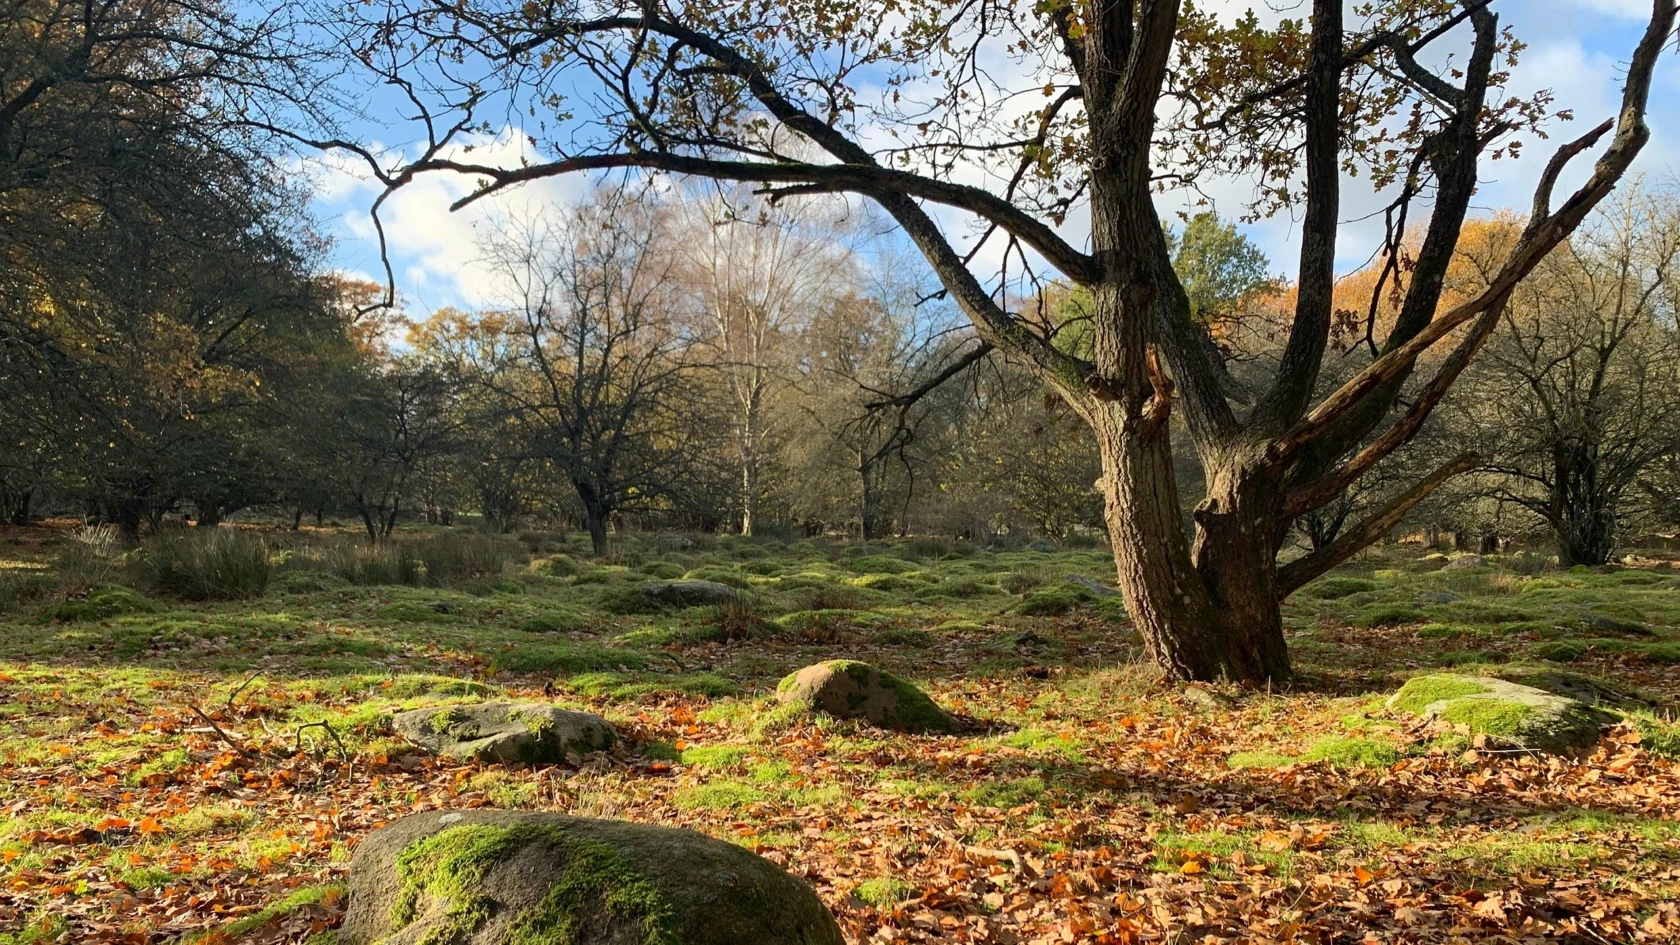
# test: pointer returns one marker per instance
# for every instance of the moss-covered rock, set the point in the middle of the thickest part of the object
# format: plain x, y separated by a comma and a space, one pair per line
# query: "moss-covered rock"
1506, 712
505, 732
522, 878
694, 593
848, 689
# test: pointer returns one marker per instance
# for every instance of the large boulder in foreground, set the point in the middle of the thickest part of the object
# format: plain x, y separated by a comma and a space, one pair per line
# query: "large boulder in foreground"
691, 593
848, 689
505, 732
1506, 712
506, 877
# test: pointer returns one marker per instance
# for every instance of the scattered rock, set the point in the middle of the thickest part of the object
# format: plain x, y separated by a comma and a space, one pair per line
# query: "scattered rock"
692, 593
500, 877
1097, 588
505, 732
1505, 712
1615, 626
1465, 563
1208, 698
1042, 547
848, 689
1439, 597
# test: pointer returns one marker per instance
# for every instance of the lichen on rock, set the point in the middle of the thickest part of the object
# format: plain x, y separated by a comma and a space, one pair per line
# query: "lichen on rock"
509, 733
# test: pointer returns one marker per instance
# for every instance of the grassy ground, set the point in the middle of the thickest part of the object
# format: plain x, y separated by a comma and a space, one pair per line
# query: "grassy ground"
202, 771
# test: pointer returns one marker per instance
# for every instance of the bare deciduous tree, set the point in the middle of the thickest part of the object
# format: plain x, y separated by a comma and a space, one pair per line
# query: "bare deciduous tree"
1137, 94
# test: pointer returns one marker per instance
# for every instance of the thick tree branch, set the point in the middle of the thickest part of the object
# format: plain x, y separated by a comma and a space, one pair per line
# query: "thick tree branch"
868, 179
910, 397
1292, 576
1309, 332
1539, 239
1315, 495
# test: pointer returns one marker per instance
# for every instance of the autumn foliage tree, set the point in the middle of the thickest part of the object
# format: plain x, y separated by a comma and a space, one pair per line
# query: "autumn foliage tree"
898, 101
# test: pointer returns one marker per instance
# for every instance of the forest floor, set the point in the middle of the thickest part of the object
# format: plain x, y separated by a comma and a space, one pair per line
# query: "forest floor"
164, 779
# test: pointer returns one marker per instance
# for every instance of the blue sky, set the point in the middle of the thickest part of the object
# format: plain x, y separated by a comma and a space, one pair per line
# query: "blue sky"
1576, 48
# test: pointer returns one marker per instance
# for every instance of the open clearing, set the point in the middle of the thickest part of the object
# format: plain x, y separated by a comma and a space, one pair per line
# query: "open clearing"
203, 771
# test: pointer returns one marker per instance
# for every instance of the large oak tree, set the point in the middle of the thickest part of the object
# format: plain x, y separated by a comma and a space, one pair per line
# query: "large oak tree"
1019, 116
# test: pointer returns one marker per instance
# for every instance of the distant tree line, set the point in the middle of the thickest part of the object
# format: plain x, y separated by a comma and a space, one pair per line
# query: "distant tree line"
174, 347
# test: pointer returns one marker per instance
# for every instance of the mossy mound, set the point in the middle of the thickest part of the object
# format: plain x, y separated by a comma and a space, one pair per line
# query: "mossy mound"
505, 732
514, 878
849, 689
101, 603
1505, 712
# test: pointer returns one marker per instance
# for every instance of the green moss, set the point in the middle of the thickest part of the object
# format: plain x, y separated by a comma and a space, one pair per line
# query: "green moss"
552, 621
1258, 759
883, 564
1336, 588
1487, 716
1346, 752
565, 658
1388, 615
884, 893
1053, 602
719, 795
101, 603
1420, 692
449, 868
714, 756
1005, 794
284, 907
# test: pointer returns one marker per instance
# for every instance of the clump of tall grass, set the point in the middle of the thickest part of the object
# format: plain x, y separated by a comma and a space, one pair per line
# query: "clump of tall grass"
89, 559
204, 564
436, 560
362, 563
451, 557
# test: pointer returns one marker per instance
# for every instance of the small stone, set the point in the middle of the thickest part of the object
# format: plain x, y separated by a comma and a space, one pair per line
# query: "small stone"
483, 877
848, 689
1208, 698
1097, 588
1604, 623
1466, 563
693, 593
504, 732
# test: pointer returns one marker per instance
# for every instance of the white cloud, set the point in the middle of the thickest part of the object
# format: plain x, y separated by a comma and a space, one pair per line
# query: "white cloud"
434, 251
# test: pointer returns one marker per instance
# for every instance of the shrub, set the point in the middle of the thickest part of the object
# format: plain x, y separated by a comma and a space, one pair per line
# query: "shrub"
202, 565
560, 566
19, 588
739, 619
1022, 580
358, 562
450, 557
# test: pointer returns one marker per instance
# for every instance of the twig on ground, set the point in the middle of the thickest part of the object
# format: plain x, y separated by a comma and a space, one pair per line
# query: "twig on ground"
224, 736
297, 744
235, 694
